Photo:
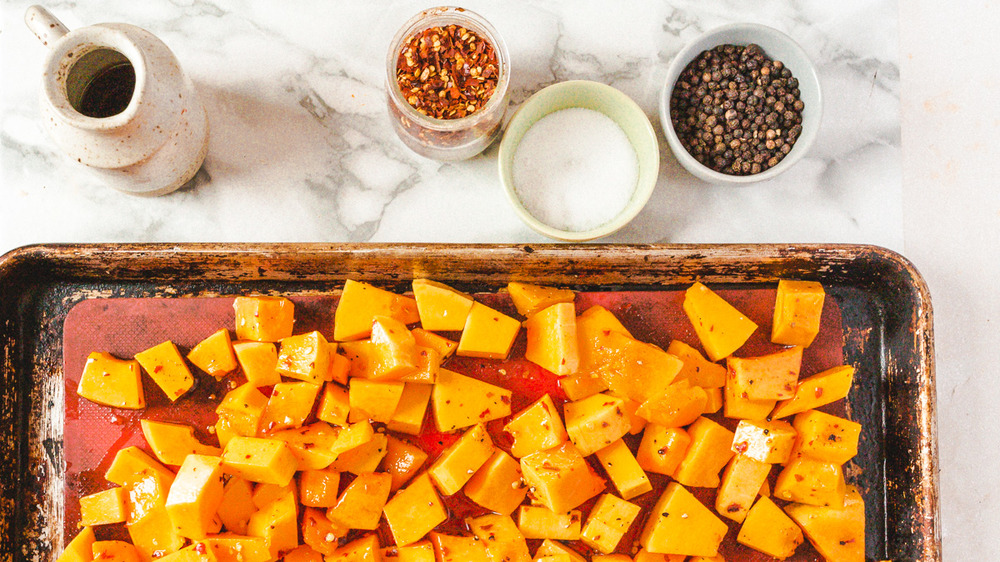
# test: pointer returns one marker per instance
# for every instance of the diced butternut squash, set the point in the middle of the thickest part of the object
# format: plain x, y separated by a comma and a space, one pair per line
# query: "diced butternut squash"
593, 329
713, 400
265, 494
662, 448
353, 436
560, 478
441, 308
607, 523
373, 400
267, 461
741, 482
678, 405
636, 423
229, 547
813, 482
278, 524
112, 382
552, 548
451, 548
818, 390
151, 531
334, 404
411, 409
825, 437
798, 308
607, 558
636, 370
716, 558
339, 367
767, 377
365, 549
165, 365
319, 488
422, 551
767, 529
103, 508
264, 319
708, 453
697, 370
621, 467
114, 551
498, 485
769, 442
721, 328
237, 505
312, 445
242, 409
501, 536
552, 340
360, 303
80, 549
537, 522
195, 552
836, 533
536, 428
456, 464
428, 362
646, 556
303, 553
132, 464
737, 404
258, 361
414, 511
395, 347
680, 524
460, 401
402, 461
444, 346
214, 354
195, 496
595, 422
530, 299
172, 442
288, 406
319, 533
582, 385
305, 357
360, 504
488, 333
363, 458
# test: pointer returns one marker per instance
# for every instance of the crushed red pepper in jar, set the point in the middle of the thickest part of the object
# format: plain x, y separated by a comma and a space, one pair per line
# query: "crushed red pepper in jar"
447, 72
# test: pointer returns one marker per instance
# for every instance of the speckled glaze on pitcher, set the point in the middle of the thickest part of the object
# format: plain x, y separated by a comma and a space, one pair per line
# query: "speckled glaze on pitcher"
149, 142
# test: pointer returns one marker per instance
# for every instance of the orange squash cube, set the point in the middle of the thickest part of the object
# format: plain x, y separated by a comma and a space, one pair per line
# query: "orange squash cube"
172, 442
536, 428
365, 549
305, 357
195, 496
501, 536
818, 390
721, 328
813, 482
132, 464
697, 370
662, 448
593, 327
537, 522
645, 556
302, 553
498, 485
150, 529
414, 511
560, 478
552, 339
767, 377
636, 370
456, 464
488, 333
708, 453
738, 404
402, 461
339, 367
680, 524
767, 529
214, 354
237, 505
582, 385
595, 422
444, 346
264, 319
334, 404
396, 348
319, 488
113, 382
165, 365
825, 437
769, 442
608, 522
624, 471
360, 504
103, 508
559, 550
360, 303
114, 551
242, 409
312, 445
267, 461
373, 400
80, 549
450, 548
679, 405
319, 533
530, 299
460, 401
741, 483
278, 524
798, 307
363, 458
441, 308
288, 406
229, 547
411, 409
422, 551
836, 533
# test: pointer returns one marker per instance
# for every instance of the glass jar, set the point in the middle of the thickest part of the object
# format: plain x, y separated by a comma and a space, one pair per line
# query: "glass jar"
447, 139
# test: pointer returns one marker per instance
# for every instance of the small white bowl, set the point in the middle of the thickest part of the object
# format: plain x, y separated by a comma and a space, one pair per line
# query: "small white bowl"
598, 97
777, 46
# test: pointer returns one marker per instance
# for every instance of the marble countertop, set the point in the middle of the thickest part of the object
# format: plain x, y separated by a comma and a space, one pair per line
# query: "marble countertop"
301, 150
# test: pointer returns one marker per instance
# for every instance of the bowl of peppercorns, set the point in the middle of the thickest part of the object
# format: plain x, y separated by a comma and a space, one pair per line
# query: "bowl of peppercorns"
740, 104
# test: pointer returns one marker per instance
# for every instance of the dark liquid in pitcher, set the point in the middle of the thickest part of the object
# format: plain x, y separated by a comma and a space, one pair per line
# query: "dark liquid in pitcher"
110, 92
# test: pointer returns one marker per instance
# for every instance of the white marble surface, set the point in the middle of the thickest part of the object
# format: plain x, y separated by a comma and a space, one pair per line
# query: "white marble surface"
301, 150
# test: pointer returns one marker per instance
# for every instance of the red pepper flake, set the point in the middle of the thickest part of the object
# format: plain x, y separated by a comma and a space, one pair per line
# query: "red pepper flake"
819, 392
742, 447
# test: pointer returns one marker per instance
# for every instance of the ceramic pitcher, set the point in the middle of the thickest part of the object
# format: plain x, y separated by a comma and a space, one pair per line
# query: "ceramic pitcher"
114, 98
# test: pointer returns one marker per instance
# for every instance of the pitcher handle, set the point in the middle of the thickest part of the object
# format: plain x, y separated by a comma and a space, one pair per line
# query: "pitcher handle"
44, 25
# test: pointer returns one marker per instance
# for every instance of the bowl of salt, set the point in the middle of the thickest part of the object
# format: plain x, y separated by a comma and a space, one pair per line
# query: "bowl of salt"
579, 160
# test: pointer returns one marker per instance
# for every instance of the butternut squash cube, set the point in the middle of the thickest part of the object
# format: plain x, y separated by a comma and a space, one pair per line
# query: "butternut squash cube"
373, 400
818, 390
414, 511
560, 478
593, 328
441, 308
709, 451
288, 406
741, 483
150, 528
422, 551
645, 556
811, 481
501, 536
537, 522
365, 549
80, 549
353, 436
552, 339
456, 464
402, 461
132, 464
713, 400
450, 548
488, 333
769, 442
242, 409
312, 445
229, 547
767, 377
836, 533
214, 354
662, 448
363, 458
428, 362
195, 496
278, 524
334, 404
148, 483
498, 485
319, 488
460, 401
697, 370
360, 504
339, 367
825, 437
165, 365
607, 523
636, 423
737, 404
530, 299
552, 548
305, 357
360, 303
582, 385
444, 346
114, 551
237, 505
258, 361
172, 442
680, 524
113, 382
716, 558
770, 531
302, 553
103, 508
536, 428
396, 349
411, 409
721, 328
196, 552
265, 494
610, 558
595, 422
798, 308
264, 319
267, 461
637, 370
319, 533
678, 405
621, 467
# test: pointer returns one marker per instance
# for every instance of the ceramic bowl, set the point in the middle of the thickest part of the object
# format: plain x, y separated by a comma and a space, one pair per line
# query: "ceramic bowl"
598, 97
777, 46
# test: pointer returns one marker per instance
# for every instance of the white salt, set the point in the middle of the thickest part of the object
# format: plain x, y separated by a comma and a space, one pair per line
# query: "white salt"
575, 169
